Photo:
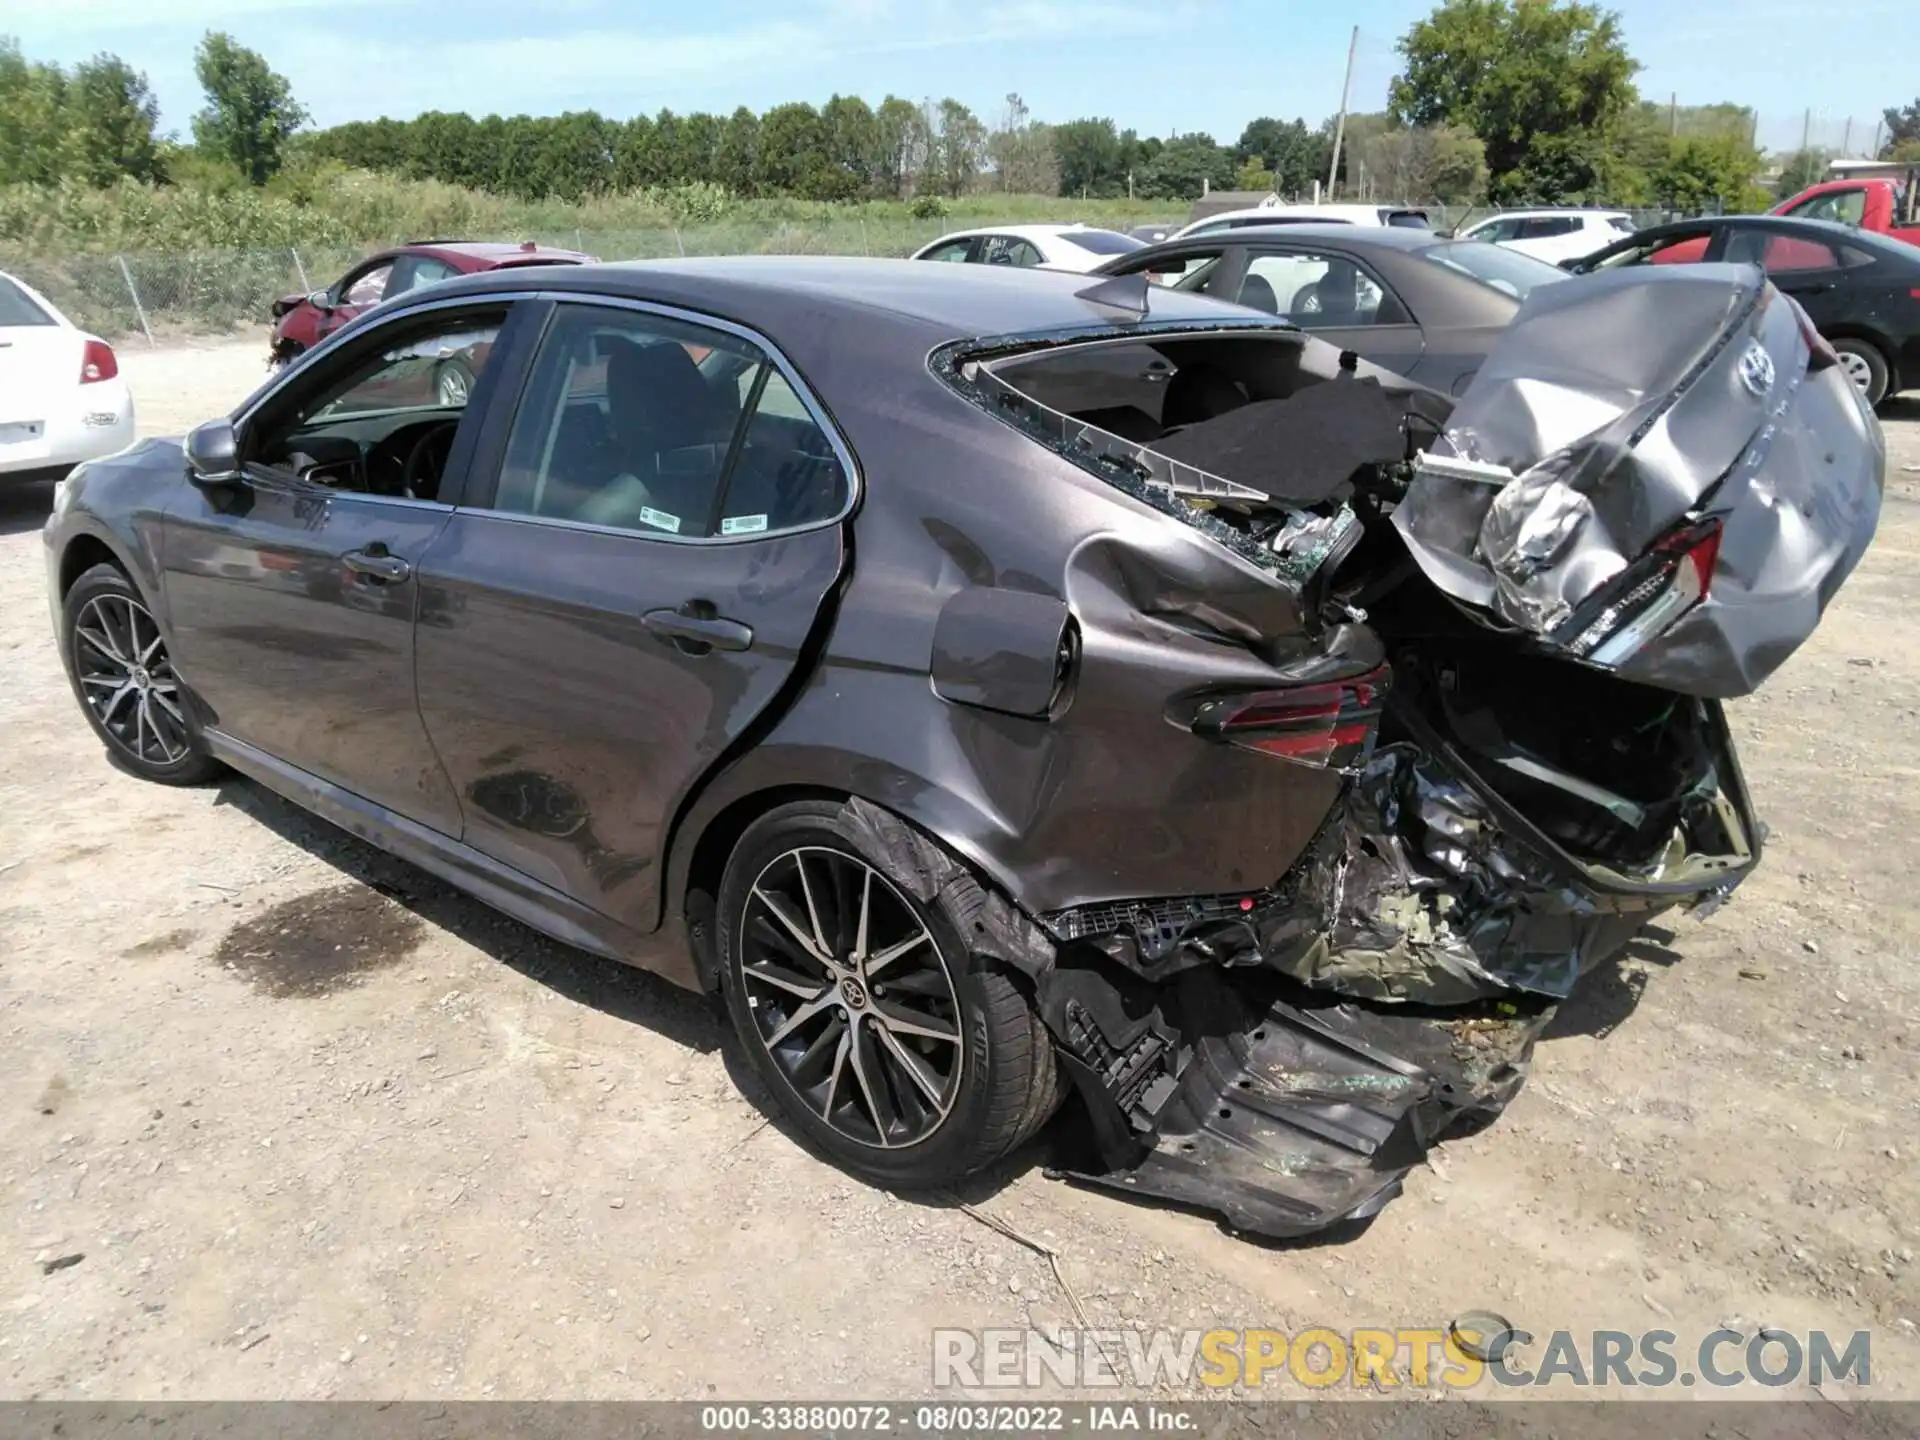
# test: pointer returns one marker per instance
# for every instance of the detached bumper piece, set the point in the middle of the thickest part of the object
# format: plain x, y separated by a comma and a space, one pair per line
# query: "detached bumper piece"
1281, 1112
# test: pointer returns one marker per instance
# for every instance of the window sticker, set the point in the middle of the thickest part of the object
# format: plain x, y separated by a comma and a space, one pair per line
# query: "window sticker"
743, 524
660, 519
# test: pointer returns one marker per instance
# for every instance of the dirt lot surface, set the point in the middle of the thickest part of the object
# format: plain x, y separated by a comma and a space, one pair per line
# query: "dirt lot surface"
304, 1123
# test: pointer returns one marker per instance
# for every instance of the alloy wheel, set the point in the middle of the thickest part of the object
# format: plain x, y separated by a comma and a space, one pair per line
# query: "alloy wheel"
454, 386
127, 679
851, 998
1858, 371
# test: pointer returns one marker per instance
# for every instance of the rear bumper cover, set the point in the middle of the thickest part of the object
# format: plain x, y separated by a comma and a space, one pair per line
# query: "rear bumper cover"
1290, 1117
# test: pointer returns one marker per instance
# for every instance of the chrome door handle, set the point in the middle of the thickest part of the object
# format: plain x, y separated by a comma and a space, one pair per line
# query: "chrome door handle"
377, 565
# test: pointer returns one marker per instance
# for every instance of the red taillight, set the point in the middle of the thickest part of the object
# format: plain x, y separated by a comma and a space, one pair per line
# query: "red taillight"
1330, 725
97, 363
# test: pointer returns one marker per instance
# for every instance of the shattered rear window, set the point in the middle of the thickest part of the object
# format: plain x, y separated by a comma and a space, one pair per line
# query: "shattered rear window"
1106, 402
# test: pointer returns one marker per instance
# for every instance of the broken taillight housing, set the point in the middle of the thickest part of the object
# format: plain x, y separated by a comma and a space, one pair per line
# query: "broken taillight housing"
1647, 597
1330, 725
1821, 354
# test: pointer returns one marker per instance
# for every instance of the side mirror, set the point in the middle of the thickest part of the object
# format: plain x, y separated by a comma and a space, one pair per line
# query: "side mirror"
213, 453
320, 300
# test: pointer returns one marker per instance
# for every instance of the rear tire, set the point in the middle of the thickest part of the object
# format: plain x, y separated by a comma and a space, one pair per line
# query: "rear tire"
452, 384
122, 675
898, 1054
1866, 367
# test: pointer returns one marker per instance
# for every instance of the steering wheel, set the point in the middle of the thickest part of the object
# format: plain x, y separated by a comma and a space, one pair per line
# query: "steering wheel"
426, 460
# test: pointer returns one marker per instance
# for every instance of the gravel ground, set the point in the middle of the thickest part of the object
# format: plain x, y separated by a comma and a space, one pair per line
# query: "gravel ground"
303, 1123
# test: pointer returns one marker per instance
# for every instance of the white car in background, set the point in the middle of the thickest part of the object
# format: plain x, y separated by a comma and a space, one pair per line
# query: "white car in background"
61, 396
1553, 235
1407, 217
1054, 247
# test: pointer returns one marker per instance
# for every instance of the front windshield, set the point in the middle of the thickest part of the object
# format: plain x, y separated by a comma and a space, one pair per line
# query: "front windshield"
1505, 270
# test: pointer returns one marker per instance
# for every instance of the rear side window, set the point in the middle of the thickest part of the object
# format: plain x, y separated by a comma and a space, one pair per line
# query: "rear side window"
668, 429
1543, 227
1102, 242
17, 308
1621, 223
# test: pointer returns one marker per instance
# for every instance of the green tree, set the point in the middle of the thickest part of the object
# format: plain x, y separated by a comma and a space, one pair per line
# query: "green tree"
1799, 169
1091, 158
1715, 173
1437, 163
1252, 175
250, 110
793, 149
111, 115
1903, 128
897, 139
1024, 162
735, 157
1184, 167
33, 122
848, 138
962, 147
1544, 84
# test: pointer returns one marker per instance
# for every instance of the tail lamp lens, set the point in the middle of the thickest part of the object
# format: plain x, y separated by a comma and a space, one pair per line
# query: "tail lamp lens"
1330, 725
97, 362
1648, 596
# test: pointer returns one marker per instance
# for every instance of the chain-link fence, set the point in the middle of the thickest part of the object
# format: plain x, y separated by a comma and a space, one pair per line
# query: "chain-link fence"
164, 295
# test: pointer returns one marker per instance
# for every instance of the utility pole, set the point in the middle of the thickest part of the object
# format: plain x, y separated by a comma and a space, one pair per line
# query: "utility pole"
1806, 130
1673, 114
1846, 140
1878, 127
1340, 125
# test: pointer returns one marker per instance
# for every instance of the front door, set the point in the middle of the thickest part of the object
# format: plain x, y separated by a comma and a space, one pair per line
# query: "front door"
291, 595
632, 593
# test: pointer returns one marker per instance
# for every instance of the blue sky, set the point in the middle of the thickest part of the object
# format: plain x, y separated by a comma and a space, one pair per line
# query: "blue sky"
1157, 65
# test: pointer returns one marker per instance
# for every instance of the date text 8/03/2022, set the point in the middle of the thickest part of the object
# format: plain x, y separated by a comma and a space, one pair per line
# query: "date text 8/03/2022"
941, 1419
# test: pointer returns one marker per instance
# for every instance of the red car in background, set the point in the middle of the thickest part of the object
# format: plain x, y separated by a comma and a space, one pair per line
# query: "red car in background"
301, 322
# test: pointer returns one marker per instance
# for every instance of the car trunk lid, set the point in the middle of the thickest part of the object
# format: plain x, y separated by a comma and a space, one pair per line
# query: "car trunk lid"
1654, 473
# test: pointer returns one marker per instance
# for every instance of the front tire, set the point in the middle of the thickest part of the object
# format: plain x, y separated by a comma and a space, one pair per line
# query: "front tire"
898, 1054
1866, 367
452, 384
121, 673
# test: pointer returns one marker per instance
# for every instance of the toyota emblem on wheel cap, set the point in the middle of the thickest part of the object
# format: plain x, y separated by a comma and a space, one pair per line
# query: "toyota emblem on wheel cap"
1756, 369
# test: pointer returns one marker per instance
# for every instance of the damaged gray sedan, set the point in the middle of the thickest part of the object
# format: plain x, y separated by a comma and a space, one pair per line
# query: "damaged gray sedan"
1014, 694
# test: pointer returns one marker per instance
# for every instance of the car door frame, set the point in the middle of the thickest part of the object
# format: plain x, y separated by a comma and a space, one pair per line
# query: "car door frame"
514, 374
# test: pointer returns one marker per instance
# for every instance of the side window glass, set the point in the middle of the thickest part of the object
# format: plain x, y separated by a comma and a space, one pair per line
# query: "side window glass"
379, 421
634, 422
953, 253
1318, 292
370, 288
1023, 254
786, 473
1788, 253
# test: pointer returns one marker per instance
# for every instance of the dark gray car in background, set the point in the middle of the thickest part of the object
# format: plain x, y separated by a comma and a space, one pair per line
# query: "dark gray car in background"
1414, 302
877, 644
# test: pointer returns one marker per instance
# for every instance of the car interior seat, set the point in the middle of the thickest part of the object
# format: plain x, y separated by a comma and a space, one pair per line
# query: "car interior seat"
1256, 292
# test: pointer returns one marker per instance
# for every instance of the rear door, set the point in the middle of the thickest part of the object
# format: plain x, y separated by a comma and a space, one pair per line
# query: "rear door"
1812, 272
629, 595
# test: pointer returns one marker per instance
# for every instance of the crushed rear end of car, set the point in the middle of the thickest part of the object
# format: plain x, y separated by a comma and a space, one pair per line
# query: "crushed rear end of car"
1511, 622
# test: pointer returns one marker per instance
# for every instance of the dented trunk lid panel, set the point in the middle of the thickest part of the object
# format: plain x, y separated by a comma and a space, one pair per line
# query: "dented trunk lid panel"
1618, 409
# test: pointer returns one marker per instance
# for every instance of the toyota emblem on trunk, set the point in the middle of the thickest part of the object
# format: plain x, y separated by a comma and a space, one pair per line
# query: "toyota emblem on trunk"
1756, 369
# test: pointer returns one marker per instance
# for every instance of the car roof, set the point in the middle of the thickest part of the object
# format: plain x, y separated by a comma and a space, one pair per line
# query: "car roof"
1023, 232
498, 251
1368, 213
1552, 212
1392, 237
1831, 230
808, 302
